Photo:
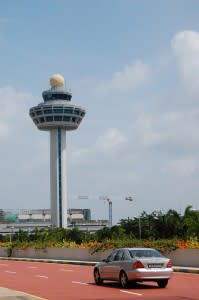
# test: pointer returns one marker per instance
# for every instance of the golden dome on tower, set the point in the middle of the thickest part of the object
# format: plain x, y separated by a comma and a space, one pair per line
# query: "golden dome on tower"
57, 81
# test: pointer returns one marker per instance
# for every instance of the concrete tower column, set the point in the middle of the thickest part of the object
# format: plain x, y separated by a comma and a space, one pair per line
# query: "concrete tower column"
53, 177
63, 176
58, 182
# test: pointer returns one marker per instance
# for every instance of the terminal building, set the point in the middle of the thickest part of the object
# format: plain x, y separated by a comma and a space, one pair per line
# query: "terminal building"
29, 219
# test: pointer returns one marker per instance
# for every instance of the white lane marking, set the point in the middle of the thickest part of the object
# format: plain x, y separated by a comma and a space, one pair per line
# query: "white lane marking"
10, 272
79, 282
42, 276
3, 265
65, 270
32, 267
136, 294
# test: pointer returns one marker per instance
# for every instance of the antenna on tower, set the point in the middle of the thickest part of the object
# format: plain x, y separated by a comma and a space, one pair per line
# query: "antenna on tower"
70, 86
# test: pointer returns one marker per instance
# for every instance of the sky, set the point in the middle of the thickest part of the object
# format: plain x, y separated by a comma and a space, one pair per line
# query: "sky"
134, 67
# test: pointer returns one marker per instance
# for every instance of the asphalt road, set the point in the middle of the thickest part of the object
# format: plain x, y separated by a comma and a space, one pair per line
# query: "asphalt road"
75, 282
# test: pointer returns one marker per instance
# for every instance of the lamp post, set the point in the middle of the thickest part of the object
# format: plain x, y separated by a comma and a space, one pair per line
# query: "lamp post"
11, 233
129, 198
140, 228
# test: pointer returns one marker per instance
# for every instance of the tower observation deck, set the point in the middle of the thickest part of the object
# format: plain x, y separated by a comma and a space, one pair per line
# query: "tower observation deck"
57, 114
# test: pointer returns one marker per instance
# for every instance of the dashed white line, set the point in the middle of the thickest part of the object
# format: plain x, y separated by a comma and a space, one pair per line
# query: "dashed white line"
79, 282
131, 293
65, 270
10, 272
32, 267
41, 276
4, 265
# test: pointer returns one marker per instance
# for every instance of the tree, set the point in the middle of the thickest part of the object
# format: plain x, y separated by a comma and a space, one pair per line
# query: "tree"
190, 222
2, 215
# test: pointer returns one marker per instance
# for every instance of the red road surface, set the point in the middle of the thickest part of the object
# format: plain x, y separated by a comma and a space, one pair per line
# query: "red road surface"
74, 282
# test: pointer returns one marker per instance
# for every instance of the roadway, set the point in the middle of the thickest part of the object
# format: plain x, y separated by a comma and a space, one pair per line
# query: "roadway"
55, 281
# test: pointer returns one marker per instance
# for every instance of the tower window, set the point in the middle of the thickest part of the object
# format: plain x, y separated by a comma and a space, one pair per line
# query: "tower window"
58, 118
58, 110
58, 96
48, 111
38, 112
49, 119
77, 112
68, 111
42, 120
66, 119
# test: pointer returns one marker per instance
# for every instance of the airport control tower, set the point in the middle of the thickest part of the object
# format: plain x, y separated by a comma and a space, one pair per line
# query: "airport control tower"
57, 114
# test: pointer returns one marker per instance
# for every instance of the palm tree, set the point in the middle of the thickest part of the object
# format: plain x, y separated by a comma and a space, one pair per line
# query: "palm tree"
190, 222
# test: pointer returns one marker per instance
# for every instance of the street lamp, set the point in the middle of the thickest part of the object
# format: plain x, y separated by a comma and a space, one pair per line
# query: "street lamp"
129, 198
140, 228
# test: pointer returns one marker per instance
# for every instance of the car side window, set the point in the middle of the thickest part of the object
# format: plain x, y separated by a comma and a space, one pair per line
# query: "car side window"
119, 255
126, 255
132, 254
111, 257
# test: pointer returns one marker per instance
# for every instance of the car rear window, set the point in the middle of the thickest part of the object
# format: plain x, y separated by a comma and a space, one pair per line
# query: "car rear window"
145, 253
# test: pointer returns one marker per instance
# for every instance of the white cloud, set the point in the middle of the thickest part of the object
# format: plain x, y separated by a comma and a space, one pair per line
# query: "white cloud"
14, 110
131, 77
4, 130
112, 140
168, 128
185, 45
181, 167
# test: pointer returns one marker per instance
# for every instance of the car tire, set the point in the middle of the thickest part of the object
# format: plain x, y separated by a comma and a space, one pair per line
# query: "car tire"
162, 283
123, 280
97, 277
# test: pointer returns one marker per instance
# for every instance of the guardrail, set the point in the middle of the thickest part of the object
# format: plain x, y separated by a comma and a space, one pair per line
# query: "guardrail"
179, 257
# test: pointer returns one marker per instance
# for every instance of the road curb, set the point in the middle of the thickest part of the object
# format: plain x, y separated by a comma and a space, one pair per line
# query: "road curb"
88, 263
59, 261
186, 270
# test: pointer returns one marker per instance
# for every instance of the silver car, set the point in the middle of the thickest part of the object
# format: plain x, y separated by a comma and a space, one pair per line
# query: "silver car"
132, 265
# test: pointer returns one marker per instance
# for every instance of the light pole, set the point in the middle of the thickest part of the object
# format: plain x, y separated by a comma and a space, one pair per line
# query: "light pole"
129, 198
140, 228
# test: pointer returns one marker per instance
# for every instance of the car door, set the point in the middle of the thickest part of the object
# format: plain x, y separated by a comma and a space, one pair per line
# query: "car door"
116, 264
106, 268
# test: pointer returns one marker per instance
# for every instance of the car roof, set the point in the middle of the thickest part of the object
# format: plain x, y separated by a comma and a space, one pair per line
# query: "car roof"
135, 248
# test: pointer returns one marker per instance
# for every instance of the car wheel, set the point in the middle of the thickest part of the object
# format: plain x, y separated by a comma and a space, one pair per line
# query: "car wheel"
123, 279
162, 283
97, 277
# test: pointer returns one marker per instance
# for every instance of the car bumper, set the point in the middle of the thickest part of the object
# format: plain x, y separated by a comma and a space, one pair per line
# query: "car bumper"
149, 274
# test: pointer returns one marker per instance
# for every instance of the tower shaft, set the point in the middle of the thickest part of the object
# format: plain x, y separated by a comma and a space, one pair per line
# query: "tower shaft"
58, 178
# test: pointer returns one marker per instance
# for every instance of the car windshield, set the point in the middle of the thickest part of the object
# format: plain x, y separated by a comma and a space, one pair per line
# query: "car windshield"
145, 253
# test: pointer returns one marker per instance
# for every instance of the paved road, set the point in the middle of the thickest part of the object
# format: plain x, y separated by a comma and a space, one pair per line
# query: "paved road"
75, 282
